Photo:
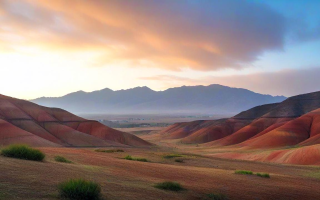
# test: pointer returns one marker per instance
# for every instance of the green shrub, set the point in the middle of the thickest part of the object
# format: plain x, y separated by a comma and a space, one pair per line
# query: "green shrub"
172, 156
141, 159
128, 157
215, 196
109, 150
22, 152
168, 185
62, 159
244, 172
179, 160
263, 175
79, 189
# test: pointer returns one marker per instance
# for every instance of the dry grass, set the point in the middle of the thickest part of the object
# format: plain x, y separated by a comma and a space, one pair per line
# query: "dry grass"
109, 150
61, 159
120, 179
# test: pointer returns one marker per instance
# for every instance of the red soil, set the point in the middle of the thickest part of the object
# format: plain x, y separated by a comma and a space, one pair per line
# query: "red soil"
206, 131
106, 133
10, 134
125, 179
259, 127
211, 133
309, 155
304, 130
267, 126
26, 122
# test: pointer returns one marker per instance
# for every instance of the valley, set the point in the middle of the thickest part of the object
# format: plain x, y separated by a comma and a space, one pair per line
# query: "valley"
159, 100
203, 155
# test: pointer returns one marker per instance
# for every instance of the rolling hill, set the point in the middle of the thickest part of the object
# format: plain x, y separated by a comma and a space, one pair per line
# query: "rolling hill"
212, 99
295, 121
28, 123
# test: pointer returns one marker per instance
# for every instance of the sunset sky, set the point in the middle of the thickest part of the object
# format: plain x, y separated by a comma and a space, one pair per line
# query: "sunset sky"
54, 47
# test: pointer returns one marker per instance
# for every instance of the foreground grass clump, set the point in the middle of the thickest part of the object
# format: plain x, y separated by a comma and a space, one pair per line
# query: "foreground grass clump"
62, 159
109, 150
263, 175
215, 196
168, 185
79, 189
172, 156
128, 157
23, 152
179, 160
244, 172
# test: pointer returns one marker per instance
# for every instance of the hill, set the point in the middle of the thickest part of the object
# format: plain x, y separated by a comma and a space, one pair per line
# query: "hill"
212, 99
25, 122
294, 121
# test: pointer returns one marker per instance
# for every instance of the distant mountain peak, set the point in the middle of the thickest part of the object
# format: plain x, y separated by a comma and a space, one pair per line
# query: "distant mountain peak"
212, 99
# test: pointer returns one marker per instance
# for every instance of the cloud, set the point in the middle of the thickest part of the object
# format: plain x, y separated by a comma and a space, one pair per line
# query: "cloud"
201, 35
284, 82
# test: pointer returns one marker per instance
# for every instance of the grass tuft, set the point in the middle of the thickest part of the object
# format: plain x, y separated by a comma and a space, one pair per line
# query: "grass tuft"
215, 196
79, 189
62, 159
23, 152
244, 172
141, 159
109, 150
168, 185
179, 160
265, 175
128, 157
172, 156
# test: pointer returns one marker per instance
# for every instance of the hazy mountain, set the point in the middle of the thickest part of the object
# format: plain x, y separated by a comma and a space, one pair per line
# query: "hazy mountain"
212, 99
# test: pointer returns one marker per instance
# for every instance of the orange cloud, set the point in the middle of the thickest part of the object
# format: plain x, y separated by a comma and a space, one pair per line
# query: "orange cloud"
202, 35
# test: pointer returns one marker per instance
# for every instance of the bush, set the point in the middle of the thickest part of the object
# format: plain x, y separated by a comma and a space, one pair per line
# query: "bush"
168, 185
79, 189
244, 172
109, 150
172, 156
23, 152
62, 159
214, 196
128, 157
141, 159
263, 175
179, 160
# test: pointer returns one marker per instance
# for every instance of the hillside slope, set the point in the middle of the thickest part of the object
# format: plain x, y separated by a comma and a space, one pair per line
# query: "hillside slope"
25, 122
210, 130
279, 116
291, 122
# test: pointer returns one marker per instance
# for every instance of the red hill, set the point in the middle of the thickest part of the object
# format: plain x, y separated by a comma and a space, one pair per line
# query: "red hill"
288, 123
28, 123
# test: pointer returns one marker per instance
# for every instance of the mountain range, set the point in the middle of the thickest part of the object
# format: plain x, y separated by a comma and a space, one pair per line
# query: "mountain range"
212, 99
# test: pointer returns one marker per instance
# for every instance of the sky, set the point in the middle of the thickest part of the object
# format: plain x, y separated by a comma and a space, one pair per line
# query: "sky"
51, 48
